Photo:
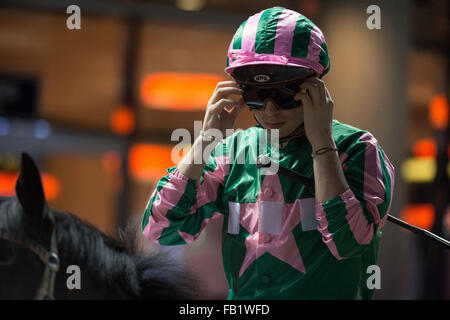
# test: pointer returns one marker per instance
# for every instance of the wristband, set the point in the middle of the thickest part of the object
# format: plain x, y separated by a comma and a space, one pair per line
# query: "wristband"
323, 151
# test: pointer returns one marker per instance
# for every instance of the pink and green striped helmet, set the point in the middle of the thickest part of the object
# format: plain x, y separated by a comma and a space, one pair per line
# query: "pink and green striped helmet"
279, 36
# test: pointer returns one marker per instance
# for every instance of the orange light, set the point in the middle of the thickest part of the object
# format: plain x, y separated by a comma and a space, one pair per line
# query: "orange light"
8, 183
52, 187
178, 91
149, 162
122, 120
425, 148
439, 112
111, 162
419, 215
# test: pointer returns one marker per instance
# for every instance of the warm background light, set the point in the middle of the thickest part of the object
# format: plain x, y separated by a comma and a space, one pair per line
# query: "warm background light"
149, 162
425, 148
439, 112
178, 91
422, 166
122, 121
419, 170
190, 5
51, 184
419, 215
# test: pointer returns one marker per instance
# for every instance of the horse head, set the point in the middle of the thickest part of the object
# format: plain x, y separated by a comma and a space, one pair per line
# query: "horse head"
25, 229
108, 269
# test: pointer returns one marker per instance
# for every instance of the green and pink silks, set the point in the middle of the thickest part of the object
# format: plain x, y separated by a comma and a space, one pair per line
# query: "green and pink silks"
279, 36
277, 242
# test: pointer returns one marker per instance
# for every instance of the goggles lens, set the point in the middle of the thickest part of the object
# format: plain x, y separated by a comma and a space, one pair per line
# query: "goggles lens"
283, 94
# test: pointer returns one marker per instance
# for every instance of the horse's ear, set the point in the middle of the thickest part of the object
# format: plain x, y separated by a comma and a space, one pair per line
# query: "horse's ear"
29, 188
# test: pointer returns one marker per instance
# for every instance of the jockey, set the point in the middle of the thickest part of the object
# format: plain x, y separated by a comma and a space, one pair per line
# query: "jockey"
280, 239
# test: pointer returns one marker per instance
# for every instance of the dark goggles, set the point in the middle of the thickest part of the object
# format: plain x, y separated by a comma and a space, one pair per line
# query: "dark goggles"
282, 93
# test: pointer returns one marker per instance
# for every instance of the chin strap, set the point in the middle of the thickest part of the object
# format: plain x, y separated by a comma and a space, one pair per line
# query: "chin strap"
298, 132
258, 124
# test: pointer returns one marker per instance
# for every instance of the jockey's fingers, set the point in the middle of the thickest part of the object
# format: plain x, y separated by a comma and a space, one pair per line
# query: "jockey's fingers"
222, 92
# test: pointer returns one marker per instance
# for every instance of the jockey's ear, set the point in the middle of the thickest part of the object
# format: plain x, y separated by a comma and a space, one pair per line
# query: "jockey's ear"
29, 189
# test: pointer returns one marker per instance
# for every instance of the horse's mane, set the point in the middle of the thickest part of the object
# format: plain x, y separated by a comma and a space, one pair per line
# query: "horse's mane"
104, 257
118, 264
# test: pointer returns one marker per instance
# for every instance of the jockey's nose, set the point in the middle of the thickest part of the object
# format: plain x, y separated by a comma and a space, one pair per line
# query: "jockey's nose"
270, 107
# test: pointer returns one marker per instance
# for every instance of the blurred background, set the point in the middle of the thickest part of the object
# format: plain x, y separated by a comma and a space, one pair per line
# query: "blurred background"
96, 108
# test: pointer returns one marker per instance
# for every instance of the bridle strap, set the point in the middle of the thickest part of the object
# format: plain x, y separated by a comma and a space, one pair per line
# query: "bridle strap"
49, 258
47, 286
39, 250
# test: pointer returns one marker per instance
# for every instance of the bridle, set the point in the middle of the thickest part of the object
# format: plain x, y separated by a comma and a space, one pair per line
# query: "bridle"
49, 258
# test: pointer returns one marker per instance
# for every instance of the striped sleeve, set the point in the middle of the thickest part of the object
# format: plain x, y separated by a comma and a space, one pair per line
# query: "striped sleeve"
349, 221
180, 208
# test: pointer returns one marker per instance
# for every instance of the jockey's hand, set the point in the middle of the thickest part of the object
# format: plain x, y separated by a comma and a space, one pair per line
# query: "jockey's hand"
318, 112
223, 107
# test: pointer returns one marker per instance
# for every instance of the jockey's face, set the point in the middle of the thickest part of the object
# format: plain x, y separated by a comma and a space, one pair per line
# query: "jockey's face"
272, 117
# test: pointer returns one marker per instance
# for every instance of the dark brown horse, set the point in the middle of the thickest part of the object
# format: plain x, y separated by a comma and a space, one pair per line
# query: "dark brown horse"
43, 251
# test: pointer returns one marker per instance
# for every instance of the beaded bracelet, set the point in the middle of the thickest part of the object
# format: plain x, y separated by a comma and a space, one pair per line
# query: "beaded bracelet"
323, 151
